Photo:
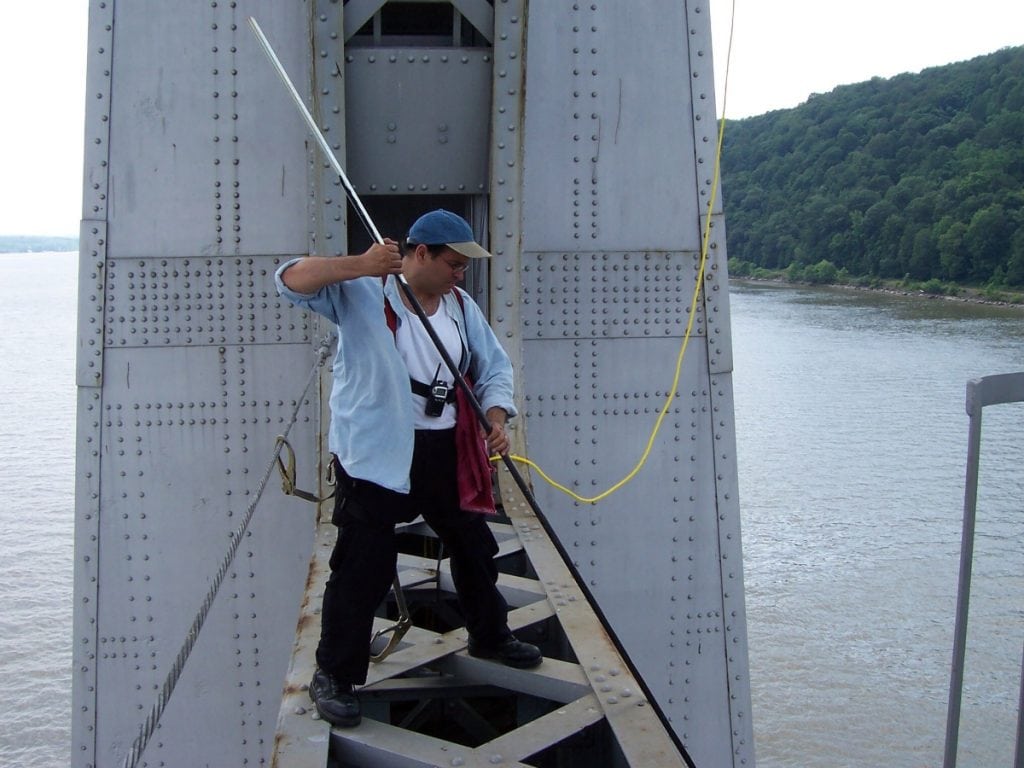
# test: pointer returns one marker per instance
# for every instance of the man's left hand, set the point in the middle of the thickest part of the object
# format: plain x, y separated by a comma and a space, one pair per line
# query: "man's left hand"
497, 440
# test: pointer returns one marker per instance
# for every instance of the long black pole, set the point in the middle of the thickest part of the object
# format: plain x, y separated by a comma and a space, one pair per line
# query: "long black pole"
461, 382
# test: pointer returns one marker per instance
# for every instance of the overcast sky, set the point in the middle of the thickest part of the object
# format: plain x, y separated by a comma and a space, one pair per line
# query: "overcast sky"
783, 50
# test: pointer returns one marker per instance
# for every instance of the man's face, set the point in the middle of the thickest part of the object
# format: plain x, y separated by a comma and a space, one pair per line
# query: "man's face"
446, 269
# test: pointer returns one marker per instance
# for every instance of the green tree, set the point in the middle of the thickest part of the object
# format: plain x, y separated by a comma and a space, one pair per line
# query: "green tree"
1015, 264
954, 260
919, 175
924, 256
824, 272
988, 237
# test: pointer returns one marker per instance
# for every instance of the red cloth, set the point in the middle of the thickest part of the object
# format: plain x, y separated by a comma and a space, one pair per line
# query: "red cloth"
476, 493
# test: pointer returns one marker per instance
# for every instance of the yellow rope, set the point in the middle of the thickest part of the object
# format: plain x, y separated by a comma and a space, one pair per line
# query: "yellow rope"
689, 325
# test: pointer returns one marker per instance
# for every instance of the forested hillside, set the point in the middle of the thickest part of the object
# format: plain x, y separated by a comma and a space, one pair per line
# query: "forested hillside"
917, 175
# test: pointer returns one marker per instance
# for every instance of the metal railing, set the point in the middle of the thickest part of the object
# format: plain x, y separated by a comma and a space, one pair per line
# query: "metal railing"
990, 390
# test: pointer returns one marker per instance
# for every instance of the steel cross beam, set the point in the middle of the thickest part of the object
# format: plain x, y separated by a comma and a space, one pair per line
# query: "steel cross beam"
590, 687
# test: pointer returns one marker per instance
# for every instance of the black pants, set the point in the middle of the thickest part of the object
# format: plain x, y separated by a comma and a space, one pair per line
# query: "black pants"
364, 557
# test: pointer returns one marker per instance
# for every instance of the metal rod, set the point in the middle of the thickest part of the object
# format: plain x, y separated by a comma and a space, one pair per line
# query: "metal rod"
988, 390
963, 596
1018, 751
460, 381
317, 133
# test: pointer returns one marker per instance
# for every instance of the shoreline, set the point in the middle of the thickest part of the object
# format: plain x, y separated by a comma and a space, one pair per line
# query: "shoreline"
967, 295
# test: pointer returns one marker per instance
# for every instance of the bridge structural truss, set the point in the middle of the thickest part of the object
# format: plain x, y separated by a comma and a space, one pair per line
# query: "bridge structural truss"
429, 703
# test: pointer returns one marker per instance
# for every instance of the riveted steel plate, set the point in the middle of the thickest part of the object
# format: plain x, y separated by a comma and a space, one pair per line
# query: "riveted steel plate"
198, 301
205, 145
186, 436
607, 295
620, 186
609, 142
417, 120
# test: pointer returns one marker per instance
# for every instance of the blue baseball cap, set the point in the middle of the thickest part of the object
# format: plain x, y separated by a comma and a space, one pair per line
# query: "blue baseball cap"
443, 227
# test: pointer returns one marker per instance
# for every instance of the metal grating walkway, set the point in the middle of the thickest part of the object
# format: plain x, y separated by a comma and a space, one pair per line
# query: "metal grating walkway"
431, 704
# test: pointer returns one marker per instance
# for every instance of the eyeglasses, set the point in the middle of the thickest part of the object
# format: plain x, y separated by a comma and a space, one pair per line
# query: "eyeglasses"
457, 269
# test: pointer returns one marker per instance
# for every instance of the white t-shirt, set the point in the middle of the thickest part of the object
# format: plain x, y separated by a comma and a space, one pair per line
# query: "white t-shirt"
424, 361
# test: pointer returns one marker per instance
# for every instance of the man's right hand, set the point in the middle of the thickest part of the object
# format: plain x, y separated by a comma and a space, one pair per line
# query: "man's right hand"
382, 260
308, 275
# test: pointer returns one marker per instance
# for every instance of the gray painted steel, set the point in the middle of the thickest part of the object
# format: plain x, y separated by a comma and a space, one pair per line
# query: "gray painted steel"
386, 126
585, 166
986, 391
195, 188
618, 150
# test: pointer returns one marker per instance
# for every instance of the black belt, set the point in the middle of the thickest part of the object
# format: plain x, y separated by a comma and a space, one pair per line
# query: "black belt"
424, 390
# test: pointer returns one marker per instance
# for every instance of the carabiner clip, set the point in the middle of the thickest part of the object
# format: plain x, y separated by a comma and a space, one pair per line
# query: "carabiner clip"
288, 474
397, 629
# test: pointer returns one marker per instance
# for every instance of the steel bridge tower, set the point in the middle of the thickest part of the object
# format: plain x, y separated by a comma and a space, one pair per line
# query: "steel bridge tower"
579, 140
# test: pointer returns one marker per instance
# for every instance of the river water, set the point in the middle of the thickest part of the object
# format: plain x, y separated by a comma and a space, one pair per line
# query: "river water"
851, 445
852, 440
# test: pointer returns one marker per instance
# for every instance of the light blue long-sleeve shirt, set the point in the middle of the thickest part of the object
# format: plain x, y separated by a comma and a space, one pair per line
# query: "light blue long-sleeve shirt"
372, 415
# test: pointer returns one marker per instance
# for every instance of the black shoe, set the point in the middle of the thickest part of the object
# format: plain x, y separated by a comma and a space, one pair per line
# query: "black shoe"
511, 653
334, 700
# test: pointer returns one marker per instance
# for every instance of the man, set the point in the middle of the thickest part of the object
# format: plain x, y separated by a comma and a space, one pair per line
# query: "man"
393, 435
